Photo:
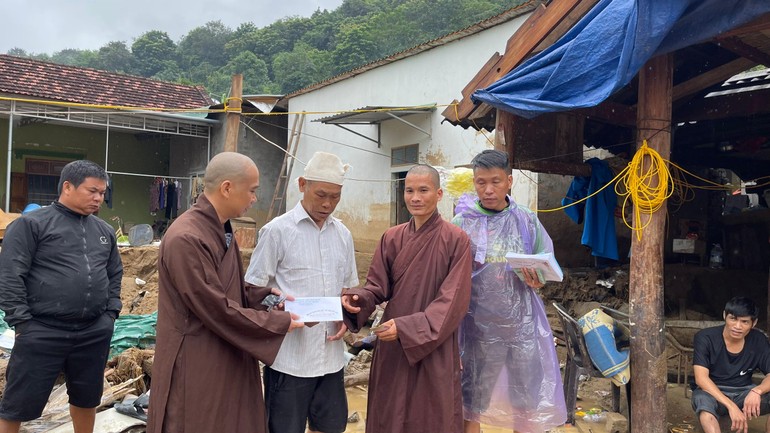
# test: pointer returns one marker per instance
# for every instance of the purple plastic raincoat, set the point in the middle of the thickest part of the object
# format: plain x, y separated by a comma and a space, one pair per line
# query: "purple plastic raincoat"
511, 373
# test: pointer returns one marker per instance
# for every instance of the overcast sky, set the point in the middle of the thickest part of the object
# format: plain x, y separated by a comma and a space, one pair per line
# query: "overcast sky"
47, 26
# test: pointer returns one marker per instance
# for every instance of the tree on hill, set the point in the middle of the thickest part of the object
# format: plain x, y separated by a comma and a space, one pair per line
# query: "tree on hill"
301, 67
153, 51
288, 54
115, 57
354, 48
204, 44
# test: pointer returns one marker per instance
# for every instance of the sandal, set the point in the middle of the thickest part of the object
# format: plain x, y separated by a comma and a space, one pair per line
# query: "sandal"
136, 408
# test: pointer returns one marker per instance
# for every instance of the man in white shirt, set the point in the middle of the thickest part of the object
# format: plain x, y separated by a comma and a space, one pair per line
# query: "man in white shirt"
306, 252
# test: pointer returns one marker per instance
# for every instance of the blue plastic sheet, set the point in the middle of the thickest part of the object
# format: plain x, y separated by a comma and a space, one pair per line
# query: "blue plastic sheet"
605, 50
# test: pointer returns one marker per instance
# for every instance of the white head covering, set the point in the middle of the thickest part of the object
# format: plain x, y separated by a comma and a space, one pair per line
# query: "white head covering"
326, 167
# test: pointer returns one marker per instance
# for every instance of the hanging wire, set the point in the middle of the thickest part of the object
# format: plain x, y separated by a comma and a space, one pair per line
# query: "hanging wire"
304, 163
648, 186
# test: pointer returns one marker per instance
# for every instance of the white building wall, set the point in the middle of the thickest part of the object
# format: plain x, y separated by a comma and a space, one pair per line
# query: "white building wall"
434, 76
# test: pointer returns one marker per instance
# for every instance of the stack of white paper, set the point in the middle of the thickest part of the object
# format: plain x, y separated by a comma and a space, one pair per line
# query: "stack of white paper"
545, 263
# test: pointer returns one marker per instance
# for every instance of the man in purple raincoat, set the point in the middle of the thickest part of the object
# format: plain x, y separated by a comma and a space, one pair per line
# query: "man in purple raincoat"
510, 370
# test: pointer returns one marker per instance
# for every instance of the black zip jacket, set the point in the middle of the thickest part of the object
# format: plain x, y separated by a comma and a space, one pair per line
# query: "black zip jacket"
59, 267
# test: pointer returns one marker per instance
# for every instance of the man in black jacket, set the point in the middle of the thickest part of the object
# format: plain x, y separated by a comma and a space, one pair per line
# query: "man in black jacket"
60, 274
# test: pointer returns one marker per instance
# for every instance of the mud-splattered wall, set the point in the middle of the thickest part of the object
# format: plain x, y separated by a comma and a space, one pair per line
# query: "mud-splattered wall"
189, 157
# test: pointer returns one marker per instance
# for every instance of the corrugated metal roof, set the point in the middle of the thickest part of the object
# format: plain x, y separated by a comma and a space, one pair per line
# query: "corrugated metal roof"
369, 115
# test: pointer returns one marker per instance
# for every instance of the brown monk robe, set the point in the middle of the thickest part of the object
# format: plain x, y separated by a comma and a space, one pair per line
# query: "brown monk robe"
425, 275
209, 336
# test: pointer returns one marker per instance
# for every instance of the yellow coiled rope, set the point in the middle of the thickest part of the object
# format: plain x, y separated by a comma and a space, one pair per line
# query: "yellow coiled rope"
647, 183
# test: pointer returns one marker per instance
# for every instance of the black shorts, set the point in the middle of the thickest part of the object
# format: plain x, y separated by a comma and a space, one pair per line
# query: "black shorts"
294, 401
703, 401
41, 352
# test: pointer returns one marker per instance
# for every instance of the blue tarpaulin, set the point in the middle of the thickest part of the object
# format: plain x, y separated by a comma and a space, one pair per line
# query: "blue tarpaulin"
603, 51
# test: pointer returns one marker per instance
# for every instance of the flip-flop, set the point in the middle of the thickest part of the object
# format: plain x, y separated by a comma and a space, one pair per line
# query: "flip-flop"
135, 408
130, 410
143, 400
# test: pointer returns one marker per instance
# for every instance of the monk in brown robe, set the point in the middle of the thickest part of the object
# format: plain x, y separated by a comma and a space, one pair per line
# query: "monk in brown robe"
423, 269
210, 330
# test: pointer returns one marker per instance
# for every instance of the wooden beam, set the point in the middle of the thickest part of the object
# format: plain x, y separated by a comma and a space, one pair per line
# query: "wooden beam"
725, 106
555, 167
758, 25
574, 16
233, 116
743, 49
534, 30
481, 75
551, 143
481, 112
711, 77
519, 48
532, 21
568, 138
451, 112
611, 112
648, 344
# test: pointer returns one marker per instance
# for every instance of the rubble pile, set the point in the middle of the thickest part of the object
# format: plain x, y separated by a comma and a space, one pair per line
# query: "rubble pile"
131, 365
607, 286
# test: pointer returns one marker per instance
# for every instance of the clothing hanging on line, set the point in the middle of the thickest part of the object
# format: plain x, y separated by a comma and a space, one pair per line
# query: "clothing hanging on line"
155, 191
197, 189
172, 194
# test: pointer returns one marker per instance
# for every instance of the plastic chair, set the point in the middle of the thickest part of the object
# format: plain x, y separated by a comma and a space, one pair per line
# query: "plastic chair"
684, 351
579, 362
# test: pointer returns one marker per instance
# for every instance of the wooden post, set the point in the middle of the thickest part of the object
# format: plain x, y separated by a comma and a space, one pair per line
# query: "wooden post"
648, 360
233, 120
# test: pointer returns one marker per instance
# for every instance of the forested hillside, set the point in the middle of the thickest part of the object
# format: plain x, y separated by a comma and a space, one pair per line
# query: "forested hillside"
288, 54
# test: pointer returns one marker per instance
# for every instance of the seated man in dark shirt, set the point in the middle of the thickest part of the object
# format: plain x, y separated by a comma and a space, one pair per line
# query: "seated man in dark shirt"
724, 359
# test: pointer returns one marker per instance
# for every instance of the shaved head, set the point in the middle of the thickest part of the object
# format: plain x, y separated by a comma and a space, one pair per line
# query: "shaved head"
224, 166
423, 170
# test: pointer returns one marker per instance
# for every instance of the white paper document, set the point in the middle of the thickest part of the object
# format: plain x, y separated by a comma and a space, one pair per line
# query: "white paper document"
7, 339
547, 267
319, 309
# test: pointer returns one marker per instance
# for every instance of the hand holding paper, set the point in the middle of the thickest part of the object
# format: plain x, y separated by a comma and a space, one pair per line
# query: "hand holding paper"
316, 309
532, 277
545, 264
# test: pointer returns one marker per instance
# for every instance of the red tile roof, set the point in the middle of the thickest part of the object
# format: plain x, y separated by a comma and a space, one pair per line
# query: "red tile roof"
33, 78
